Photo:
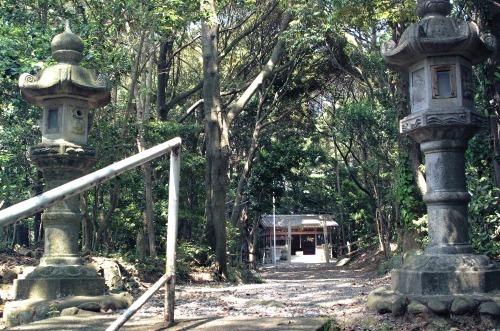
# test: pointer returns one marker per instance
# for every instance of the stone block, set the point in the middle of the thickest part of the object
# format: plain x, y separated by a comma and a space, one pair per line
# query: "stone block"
90, 306
444, 274
438, 306
51, 282
398, 308
381, 300
416, 308
464, 305
57, 287
490, 308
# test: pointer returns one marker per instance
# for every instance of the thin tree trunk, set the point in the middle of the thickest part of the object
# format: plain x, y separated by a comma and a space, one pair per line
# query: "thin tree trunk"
104, 219
37, 224
163, 76
87, 226
245, 174
148, 173
252, 246
216, 135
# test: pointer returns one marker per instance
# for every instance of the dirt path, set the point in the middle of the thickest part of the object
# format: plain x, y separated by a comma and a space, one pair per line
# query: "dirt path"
316, 291
298, 290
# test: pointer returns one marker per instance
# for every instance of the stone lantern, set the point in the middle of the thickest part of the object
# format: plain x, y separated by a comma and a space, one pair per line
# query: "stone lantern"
438, 53
66, 92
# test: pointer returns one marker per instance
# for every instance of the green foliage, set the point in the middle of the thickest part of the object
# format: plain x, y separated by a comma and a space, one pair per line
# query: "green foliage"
411, 206
190, 255
484, 211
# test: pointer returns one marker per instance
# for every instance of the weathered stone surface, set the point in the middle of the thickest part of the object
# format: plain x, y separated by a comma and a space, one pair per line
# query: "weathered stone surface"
416, 308
398, 308
55, 287
438, 306
90, 306
490, 308
111, 272
463, 305
381, 300
70, 311
446, 274
25, 311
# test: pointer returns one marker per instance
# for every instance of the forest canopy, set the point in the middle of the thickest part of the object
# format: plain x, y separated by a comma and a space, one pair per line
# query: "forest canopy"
290, 99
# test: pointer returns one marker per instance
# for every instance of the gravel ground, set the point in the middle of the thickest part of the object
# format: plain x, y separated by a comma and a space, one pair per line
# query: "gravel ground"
303, 290
309, 290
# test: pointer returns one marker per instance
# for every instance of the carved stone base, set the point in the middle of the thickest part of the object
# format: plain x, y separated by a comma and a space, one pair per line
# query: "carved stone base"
446, 274
52, 282
26, 311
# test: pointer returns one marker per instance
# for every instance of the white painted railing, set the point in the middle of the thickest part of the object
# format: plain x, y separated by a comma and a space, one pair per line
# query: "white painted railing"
31, 206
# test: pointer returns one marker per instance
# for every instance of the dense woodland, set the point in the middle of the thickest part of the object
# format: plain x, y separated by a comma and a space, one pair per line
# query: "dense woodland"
290, 98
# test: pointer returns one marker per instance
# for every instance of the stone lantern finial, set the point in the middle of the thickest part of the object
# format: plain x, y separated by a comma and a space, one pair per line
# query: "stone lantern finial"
67, 47
433, 7
67, 28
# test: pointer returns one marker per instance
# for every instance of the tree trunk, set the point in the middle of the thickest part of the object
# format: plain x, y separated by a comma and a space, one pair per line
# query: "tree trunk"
143, 116
21, 236
104, 219
140, 244
245, 174
87, 226
217, 137
163, 75
252, 245
267, 71
37, 224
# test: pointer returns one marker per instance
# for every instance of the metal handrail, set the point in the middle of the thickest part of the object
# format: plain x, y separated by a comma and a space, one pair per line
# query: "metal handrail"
38, 203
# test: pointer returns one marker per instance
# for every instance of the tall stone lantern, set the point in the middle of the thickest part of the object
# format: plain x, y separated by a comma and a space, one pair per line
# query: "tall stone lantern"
438, 53
66, 92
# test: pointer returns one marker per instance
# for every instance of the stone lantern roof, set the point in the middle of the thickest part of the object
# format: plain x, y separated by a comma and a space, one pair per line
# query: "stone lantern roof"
66, 78
438, 35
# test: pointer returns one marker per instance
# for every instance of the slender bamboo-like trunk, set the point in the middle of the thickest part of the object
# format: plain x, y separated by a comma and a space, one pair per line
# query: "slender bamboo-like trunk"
143, 115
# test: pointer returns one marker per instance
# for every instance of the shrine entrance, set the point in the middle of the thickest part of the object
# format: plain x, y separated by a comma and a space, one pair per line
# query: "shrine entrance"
292, 236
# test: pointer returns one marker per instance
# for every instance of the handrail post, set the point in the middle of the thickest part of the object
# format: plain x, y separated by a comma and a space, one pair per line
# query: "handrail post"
173, 209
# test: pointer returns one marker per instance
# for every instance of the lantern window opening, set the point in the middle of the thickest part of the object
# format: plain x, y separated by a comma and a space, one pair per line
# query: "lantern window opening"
444, 82
53, 120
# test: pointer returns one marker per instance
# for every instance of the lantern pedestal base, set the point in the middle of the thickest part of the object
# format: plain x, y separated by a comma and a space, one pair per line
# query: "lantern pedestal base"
446, 274
52, 282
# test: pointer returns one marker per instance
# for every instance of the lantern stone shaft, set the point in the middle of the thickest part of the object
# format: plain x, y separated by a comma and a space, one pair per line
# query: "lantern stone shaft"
438, 53
66, 92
